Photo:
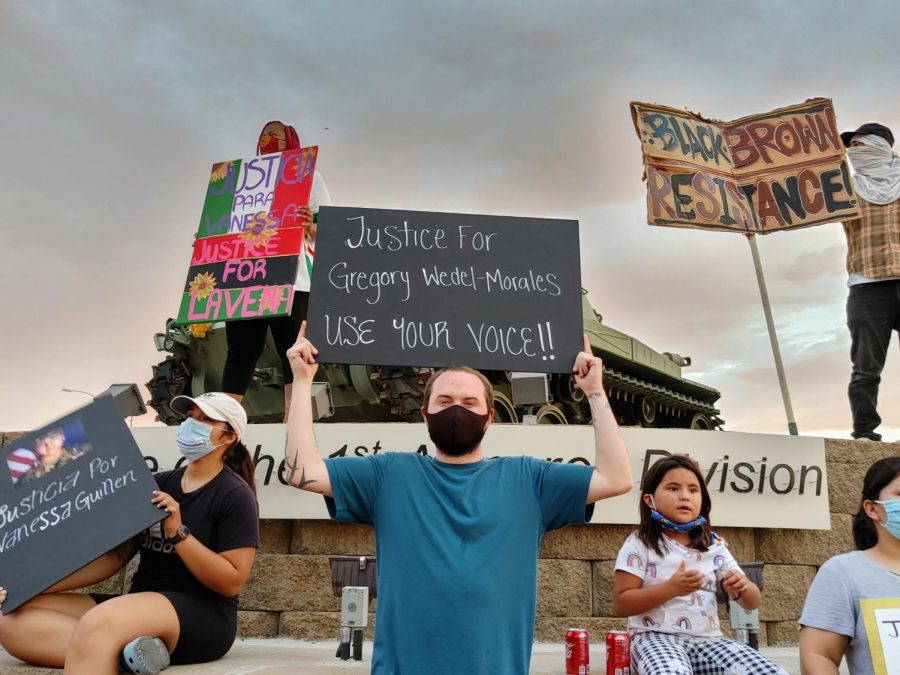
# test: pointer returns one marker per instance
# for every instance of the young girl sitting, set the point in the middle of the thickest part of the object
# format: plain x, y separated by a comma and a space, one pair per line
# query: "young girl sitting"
665, 581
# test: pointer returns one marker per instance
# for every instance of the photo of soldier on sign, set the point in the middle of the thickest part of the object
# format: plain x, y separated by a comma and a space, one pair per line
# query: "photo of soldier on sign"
780, 170
84, 490
52, 450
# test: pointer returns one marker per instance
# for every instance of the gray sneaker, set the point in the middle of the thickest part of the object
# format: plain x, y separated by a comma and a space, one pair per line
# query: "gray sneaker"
145, 655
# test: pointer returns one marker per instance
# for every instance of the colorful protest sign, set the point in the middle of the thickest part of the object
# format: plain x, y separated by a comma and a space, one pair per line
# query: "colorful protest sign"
245, 255
71, 492
779, 170
414, 288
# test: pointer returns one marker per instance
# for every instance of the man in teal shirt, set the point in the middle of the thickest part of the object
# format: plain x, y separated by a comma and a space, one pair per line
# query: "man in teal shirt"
457, 536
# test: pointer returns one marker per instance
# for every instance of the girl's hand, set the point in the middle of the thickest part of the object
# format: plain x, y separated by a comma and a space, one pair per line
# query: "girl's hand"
685, 581
735, 583
167, 503
312, 228
2, 599
304, 214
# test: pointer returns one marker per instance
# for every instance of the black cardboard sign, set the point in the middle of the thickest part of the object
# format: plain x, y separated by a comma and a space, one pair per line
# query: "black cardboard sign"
414, 288
95, 496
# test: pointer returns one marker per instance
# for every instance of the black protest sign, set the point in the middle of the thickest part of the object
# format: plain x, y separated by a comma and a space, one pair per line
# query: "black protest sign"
69, 493
414, 288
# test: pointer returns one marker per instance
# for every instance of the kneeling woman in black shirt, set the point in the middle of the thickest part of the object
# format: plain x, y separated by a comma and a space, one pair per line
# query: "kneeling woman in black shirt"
182, 605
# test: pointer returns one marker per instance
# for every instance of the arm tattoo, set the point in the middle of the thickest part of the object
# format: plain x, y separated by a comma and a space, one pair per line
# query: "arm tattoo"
291, 468
303, 481
597, 396
292, 471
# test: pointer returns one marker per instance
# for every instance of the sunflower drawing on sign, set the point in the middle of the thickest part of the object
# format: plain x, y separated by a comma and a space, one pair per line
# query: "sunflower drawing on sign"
220, 171
202, 285
259, 229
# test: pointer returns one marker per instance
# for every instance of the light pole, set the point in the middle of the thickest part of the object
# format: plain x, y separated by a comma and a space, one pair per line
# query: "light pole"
77, 391
127, 397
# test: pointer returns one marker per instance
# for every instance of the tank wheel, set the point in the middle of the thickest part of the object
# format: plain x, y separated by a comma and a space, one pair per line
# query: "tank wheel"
701, 421
504, 411
647, 412
171, 378
550, 414
573, 392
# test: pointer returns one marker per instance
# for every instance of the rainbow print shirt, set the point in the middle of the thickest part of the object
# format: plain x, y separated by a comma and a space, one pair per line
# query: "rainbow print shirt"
695, 614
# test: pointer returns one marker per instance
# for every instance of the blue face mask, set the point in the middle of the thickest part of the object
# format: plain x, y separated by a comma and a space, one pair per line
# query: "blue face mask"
194, 439
892, 509
673, 526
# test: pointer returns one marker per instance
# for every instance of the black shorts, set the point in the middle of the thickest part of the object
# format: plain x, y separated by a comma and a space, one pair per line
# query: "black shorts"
207, 626
246, 342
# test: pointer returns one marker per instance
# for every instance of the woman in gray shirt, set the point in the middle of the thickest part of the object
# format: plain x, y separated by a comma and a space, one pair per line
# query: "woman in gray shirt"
832, 621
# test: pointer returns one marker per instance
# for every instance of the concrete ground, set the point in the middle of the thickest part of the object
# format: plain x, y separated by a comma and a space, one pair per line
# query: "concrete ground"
283, 657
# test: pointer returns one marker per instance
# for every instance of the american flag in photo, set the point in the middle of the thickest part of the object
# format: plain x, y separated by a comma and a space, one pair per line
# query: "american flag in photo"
19, 462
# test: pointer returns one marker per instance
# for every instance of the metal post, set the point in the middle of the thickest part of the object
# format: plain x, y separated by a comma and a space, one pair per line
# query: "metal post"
357, 644
354, 617
773, 338
744, 623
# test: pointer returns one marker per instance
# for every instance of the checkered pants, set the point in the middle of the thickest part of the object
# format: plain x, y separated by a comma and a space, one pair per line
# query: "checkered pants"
654, 653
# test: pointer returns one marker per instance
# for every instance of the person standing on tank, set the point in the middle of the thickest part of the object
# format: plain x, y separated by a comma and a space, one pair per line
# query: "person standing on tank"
873, 265
246, 339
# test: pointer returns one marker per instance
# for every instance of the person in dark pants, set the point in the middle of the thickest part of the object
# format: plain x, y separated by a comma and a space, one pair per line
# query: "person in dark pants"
873, 263
246, 339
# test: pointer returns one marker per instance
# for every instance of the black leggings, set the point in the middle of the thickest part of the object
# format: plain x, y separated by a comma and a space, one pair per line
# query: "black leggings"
247, 339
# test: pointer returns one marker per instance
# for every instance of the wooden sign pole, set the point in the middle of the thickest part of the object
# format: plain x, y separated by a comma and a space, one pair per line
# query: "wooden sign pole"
797, 177
773, 338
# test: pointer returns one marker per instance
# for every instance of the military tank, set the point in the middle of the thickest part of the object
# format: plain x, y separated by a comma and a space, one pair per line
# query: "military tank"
645, 387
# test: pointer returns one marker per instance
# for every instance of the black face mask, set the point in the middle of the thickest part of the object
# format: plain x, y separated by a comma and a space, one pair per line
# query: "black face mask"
455, 430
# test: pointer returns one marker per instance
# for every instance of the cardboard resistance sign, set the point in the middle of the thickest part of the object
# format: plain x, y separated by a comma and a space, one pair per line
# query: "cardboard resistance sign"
413, 288
779, 170
68, 494
245, 256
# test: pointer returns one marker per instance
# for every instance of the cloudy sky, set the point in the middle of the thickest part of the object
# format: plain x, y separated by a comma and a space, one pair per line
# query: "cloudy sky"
114, 110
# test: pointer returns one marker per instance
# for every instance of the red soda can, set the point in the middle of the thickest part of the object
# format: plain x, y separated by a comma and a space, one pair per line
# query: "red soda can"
618, 653
578, 652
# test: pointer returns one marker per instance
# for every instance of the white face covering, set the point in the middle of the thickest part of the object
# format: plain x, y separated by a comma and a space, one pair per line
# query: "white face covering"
877, 169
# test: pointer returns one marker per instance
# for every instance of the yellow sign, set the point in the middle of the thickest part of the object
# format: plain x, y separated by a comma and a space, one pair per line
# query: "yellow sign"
882, 621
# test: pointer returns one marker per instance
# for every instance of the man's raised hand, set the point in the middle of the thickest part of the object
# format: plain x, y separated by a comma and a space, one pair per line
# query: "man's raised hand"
588, 369
302, 357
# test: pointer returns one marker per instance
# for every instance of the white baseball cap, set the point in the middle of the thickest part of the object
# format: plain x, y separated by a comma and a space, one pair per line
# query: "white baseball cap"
217, 406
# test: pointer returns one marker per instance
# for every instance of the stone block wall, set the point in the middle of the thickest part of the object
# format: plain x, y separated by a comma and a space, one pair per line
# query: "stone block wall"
290, 591
290, 594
